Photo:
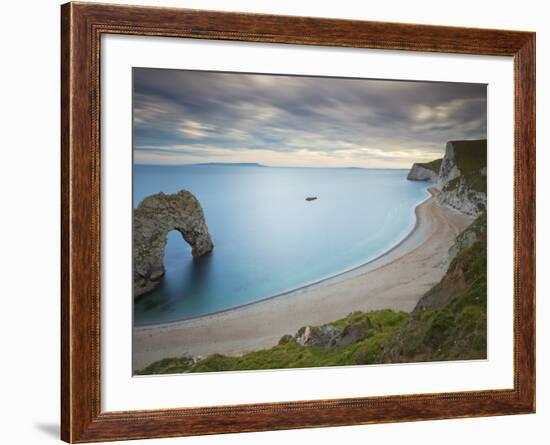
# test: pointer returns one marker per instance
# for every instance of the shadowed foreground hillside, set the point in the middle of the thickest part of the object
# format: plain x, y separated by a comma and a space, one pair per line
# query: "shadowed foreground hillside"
448, 323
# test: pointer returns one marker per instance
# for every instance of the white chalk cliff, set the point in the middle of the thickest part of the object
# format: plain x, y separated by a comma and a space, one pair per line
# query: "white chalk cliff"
462, 176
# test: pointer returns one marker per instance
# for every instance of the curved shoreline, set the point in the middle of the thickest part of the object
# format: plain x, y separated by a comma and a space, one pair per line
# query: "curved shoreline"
396, 280
336, 278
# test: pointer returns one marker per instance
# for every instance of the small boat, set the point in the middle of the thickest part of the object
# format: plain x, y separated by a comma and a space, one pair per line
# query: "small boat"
311, 198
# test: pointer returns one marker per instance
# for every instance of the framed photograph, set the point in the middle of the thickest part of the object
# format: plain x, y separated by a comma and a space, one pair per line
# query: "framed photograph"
274, 222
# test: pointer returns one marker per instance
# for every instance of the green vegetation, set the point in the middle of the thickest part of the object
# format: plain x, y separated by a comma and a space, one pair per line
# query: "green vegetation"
291, 354
470, 156
448, 323
168, 366
457, 329
478, 229
433, 165
473, 182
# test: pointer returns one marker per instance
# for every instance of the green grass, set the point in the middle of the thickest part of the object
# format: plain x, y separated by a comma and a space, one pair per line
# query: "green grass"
289, 354
470, 156
476, 183
167, 366
455, 330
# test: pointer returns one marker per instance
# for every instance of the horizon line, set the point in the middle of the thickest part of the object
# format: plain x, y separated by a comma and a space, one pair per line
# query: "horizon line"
257, 164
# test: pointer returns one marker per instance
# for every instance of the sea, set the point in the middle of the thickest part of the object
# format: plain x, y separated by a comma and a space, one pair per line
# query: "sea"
268, 239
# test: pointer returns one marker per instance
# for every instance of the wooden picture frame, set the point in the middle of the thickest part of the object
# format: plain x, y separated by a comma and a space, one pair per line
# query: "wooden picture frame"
82, 25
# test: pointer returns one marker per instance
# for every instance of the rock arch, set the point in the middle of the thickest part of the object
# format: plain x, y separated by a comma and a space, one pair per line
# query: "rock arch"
153, 219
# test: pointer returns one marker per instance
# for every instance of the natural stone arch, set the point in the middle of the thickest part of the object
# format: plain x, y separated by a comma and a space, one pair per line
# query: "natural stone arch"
153, 219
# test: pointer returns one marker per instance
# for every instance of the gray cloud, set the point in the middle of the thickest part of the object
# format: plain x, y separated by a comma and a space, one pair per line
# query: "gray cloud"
192, 116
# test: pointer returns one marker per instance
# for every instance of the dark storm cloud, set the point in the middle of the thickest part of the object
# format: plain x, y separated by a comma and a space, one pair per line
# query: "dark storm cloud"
180, 116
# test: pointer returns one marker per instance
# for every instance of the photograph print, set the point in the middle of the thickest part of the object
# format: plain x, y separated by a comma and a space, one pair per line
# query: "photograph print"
285, 221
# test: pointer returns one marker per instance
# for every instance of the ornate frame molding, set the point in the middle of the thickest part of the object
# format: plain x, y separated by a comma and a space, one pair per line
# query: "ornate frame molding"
82, 25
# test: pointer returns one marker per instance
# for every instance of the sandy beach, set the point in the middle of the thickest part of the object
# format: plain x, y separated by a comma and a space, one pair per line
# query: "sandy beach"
395, 280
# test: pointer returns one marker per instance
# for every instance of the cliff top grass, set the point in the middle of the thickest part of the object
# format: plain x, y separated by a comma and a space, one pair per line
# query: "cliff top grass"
470, 156
433, 165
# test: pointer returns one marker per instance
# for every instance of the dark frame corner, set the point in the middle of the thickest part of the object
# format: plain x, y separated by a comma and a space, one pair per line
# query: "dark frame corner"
82, 25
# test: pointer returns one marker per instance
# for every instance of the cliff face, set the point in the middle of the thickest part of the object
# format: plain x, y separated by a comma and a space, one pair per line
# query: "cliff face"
153, 219
425, 171
461, 176
421, 173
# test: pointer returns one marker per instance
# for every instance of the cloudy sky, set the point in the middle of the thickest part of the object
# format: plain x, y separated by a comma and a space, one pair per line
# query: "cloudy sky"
183, 117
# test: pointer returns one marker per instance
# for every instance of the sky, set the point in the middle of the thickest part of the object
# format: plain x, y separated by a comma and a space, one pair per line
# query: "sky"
187, 117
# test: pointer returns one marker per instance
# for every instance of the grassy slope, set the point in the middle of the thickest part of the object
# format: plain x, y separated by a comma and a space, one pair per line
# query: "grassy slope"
452, 330
470, 158
289, 354
456, 330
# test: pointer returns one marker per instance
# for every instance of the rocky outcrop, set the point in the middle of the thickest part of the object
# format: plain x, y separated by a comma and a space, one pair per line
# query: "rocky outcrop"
475, 232
153, 219
449, 170
425, 171
461, 196
463, 177
331, 335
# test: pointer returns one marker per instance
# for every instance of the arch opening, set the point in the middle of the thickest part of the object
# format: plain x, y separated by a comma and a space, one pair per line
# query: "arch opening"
155, 217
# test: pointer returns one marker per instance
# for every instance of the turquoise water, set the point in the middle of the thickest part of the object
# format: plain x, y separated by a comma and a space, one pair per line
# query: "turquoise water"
267, 238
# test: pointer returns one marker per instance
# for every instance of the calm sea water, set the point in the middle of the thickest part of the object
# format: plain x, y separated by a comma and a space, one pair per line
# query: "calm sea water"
267, 238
